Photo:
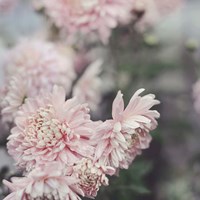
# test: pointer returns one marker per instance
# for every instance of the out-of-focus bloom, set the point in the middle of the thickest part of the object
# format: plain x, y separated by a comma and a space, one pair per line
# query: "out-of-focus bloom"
88, 87
6, 5
39, 65
119, 140
150, 12
42, 63
92, 176
46, 182
14, 97
49, 128
88, 16
196, 95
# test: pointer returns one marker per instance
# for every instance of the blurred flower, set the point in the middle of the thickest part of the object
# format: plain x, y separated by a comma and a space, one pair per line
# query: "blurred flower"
37, 65
46, 182
99, 16
149, 12
49, 128
92, 176
119, 140
88, 87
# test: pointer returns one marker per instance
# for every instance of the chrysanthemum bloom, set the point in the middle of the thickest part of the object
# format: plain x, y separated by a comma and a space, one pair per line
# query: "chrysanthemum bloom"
87, 16
88, 87
47, 182
151, 12
196, 95
48, 128
91, 176
40, 65
120, 139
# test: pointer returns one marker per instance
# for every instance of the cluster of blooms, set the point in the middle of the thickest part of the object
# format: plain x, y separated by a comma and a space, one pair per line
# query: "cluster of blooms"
35, 65
88, 16
65, 154
101, 16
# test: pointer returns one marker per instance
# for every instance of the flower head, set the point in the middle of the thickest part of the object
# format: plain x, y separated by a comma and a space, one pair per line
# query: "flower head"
123, 137
41, 63
37, 65
91, 176
48, 128
88, 16
45, 182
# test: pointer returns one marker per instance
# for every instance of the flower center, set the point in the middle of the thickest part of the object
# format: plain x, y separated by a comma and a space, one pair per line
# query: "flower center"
44, 129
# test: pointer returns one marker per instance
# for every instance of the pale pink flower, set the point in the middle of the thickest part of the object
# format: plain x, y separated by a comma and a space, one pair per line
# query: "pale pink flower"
91, 176
38, 65
42, 63
88, 87
196, 95
49, 128
86, 16
120, 139
47, 182
154, 11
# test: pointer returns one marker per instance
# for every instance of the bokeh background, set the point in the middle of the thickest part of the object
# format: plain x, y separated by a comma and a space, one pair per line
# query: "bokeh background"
164, 60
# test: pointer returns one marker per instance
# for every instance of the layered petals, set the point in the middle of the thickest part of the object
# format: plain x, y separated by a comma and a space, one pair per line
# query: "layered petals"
36, 66
48, 128
91, 176
45, 182
99, 16
122, 138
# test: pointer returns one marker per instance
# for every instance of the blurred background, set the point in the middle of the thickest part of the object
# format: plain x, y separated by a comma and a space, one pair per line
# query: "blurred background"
164, 59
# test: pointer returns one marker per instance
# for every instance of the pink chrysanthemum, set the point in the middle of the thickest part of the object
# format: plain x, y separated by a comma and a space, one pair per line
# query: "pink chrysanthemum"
49, 128
88, 87
47, 182
41, 63
119, 140
91, 176
38, 65
87, 16
153, 11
